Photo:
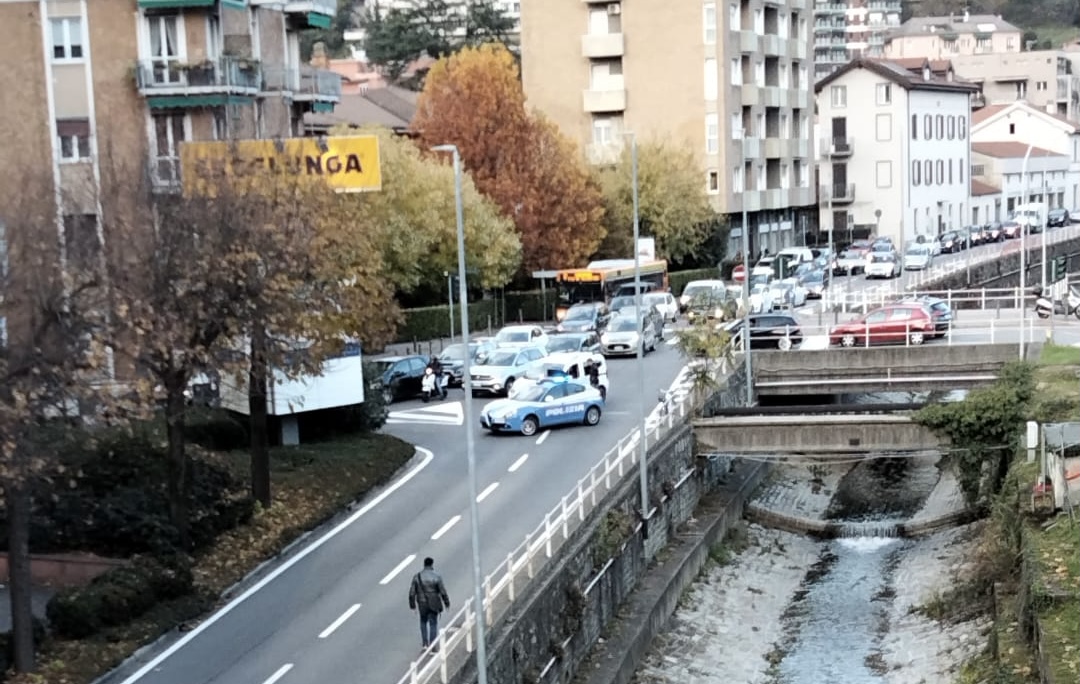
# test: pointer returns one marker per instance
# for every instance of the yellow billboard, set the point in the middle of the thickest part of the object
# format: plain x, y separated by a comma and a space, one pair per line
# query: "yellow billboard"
347, 163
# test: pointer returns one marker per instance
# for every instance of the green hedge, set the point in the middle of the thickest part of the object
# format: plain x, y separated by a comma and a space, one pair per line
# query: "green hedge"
433, 322
118, 596
679, 279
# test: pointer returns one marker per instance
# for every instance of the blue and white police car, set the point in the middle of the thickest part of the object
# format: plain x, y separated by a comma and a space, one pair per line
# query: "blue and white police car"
550, 402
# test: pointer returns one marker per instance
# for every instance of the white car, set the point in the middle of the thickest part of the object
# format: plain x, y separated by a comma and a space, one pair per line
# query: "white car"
883, 265
664, 302
695, 287
516, 336
917, 257
572, 365
764, 266
503, 367
761, 299
788, 293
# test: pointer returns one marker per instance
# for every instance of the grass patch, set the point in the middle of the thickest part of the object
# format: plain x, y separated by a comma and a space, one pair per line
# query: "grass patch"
1056, 555
1060, 624
1056, 34
1059, 389
960, 603
1059, 355
312, 483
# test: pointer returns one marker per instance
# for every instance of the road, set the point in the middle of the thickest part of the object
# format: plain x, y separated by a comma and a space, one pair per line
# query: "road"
339, 613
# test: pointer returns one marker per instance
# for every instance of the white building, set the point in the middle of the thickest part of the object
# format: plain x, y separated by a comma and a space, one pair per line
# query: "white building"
894, 154
986, 206
1045, 177
1021, 123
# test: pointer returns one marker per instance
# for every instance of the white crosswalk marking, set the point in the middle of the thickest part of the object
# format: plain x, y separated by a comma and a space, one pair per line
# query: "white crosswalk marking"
439, 414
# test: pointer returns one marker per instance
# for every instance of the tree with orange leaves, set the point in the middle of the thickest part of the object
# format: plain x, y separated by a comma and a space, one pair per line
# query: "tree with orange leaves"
535, 174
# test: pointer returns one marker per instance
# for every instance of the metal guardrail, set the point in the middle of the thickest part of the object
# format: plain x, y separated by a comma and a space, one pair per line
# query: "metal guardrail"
501, 585
989, 330
222, 73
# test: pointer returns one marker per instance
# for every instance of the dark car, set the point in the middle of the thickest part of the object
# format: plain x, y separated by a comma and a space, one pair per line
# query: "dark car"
940, 311
401, 376
767, 331
975, 235
1010, 229
453, 359
582, 317
621, 302
951, 241
1057, 217
574, 342
994, 232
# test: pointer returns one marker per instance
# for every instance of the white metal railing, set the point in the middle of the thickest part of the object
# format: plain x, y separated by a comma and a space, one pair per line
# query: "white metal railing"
501, 585
974, 328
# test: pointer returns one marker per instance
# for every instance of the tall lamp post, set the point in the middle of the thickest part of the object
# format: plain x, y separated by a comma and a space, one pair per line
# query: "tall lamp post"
643, 447
1023, 244
746, 282
470, 446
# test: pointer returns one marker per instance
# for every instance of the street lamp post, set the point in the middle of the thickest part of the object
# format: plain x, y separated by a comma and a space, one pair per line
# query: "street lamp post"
1043, 216
643, 447
746, 283
1023, 244
470, 447
450, 300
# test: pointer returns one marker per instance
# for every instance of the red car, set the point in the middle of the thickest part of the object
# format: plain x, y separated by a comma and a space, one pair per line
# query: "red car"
895, 323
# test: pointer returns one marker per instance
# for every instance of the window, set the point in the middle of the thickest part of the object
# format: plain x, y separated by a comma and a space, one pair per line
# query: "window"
761, 125
802, 178
928, 127
884, 93
940, 127
961, 127
712, 134
1012, 129
759, 73
738, 179
914, 126
734, 18
607, 75
928, 172
736, 71
74, 135
978, 170
952, 127
785, 127
883, 124
81, 242
916, 173
940, 172
960, 170
950, 172
712, 80
759, 22
785, 176
950, 45
709, 18
168, 132
762, 179
713, 182
67, 39
165, 46
736, 126
604, 130
1040, 85
838, 96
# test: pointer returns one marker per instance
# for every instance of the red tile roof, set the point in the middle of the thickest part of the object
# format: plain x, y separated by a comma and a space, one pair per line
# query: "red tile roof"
1010, 150
978, 188
980, 115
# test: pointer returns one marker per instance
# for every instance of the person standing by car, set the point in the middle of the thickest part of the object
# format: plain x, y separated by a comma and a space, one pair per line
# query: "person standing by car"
427, 594
440, 380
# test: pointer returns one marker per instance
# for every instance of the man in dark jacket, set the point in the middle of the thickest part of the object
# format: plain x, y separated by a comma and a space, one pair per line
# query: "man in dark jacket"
428, 595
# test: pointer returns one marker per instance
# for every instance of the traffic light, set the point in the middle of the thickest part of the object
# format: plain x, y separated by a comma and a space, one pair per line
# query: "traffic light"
1057, 269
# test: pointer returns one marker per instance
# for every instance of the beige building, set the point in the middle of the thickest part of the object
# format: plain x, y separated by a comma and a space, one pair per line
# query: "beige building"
1044, 78
732, 80
93, 86
947, 37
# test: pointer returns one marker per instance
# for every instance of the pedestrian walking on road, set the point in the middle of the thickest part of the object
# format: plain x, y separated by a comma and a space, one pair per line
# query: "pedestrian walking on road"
427, 594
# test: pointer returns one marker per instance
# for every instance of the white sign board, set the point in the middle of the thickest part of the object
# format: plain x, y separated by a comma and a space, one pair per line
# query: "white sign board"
646, 248
341, 384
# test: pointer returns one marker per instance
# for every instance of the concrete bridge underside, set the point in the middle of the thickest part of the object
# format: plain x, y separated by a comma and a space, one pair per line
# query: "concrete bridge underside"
843, 434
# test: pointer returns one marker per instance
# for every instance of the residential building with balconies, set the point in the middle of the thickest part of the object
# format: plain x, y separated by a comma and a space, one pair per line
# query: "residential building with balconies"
845, 29
894, 155
98, 88
948, 37
1025, 125
601, 70
1044, 78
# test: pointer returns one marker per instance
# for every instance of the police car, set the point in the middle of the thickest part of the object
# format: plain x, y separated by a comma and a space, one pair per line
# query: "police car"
550, 402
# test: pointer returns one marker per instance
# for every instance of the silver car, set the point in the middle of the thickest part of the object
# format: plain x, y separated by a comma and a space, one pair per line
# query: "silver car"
502, 367
627, 335
917, 257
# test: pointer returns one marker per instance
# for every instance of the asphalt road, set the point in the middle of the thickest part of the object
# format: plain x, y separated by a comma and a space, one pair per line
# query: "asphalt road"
339, 613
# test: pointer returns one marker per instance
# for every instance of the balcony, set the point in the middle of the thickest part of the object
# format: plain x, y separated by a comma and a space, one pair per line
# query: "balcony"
750, 95
797, 5
749, 42
775, 148
800, 148
830, 8
838, 193
751, 148
836, 148
749, 200
774, 96
190, 4
598, 46
773, 45
309, 13
600, 101
800, 98
168, 82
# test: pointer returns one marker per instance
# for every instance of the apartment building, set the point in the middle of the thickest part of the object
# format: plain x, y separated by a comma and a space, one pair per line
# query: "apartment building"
96, 87
895, 151
1043, 177
729, 79
947, 37
1023, 125
1044, 78
845, 29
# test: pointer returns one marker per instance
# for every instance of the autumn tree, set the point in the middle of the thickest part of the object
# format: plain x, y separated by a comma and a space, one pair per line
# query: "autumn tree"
520, 160
51, 363
413, 220
673, 206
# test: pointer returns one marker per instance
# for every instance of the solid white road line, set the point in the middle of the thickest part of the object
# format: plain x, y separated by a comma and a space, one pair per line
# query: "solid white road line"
541, 438
446, 528
518, 463
282, 671
340, 621
397, 569
281, 569
487, 491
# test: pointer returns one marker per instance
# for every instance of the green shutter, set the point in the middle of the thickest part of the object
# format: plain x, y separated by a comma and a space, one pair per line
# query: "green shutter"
177, 4
316, 20
193, 101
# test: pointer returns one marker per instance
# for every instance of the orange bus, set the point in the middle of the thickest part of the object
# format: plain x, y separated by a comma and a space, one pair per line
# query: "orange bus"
599, 281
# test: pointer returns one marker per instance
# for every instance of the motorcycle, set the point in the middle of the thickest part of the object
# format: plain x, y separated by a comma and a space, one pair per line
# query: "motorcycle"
1045, 306
433, 386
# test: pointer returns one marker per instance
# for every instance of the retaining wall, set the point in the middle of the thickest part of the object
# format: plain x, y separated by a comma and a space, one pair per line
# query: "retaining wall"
1005, 271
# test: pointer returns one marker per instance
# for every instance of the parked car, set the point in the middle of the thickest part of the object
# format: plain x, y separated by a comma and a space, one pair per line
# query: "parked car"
586, 368
917, 257
815, 283
851, 262
630, 290
574, 342
940, 311
761, 299
665, 303
652, 318
951, 242
893, 323
975, 235
694, 287
767, 331
627, 334
1011, 229
864, 247
883, 265
788, 293
503, 367
713, 301
619, 303
521, 336
1055, 218
546, 404
401, 376
994, 232
453, 359
582, 317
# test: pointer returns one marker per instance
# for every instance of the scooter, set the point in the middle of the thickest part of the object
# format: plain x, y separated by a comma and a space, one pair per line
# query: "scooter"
1045, 306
